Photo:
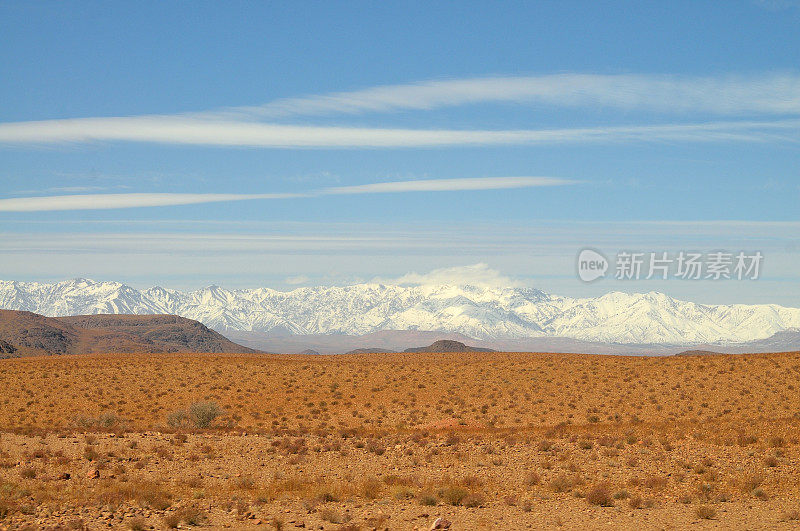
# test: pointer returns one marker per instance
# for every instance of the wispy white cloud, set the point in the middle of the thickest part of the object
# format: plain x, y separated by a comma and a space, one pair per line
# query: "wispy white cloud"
771, 93
450, 185
111, 201
136, 200
470, 275
526, 241
297, 280
757, 95
68, 189
196, 131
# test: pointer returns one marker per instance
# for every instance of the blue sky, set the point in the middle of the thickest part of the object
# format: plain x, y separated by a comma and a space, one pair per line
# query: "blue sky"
546, 126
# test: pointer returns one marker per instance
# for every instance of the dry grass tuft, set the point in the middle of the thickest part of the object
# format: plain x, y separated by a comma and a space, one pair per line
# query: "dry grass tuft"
706, 512
600, 495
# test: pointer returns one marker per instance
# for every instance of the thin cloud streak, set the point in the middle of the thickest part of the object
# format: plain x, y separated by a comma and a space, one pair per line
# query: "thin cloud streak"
530, 239
731, 95
449, 185
194, 131
137, 200
111, 201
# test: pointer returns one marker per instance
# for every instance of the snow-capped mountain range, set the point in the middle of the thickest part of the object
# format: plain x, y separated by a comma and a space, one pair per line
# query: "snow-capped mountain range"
477, 312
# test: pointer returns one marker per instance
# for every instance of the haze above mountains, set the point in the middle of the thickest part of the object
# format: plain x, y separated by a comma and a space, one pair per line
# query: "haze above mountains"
337, 319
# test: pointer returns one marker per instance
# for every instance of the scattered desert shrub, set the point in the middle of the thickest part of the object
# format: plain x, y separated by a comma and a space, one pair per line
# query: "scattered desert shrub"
242, 507
706, 512
192, 516
109, 419
745, 440
137, 524
600, 495
194, 482
471, 481
401, 492
376, 447
563, 483
178, 419
27, 472
777, 442
6, 508
371, 488
705, 490
325, 495
330, 515
621, 495
90, 454
200, 414
153, 496
453, 495
172, 521
106, 420
473, 500
244, 483
751, 482
452, 440
655, 482
428, 499
532, 478
275, 404
204, 413
163, 453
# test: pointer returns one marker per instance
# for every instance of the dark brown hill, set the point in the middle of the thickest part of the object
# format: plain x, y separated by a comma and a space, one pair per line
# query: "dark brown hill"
447, 345
29, 334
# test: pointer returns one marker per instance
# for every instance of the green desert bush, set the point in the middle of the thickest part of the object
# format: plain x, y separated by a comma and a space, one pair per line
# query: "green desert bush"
204, 413
200, 414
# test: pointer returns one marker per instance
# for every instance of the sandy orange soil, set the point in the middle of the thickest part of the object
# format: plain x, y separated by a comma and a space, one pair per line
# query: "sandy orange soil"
395, 441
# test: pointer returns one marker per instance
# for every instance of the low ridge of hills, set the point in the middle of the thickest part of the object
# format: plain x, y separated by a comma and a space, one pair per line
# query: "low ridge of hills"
371, 350
447, 345
30, 334
441, 345
699, 353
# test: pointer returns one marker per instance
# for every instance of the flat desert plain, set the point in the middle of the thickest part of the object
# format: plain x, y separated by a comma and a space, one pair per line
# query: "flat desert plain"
397, 441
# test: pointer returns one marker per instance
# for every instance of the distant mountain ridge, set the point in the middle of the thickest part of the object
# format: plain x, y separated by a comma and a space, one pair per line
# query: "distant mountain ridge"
498, 314
25, 334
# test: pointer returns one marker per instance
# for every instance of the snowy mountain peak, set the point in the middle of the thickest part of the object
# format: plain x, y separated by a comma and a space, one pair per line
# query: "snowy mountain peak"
474, 311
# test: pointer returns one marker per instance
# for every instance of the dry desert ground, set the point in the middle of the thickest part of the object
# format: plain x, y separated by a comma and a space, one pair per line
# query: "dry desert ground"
397, 441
